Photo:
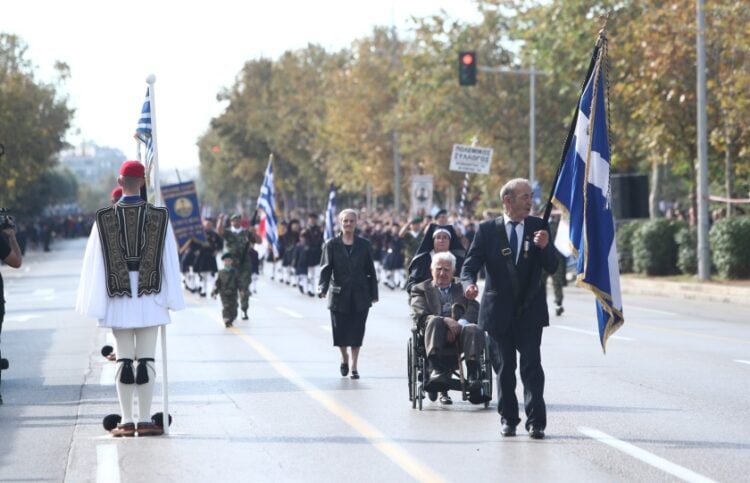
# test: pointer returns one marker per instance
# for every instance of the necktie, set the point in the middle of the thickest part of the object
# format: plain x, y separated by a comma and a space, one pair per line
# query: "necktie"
514, 240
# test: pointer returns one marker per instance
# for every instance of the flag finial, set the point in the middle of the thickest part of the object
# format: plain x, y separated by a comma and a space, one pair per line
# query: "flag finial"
150, 79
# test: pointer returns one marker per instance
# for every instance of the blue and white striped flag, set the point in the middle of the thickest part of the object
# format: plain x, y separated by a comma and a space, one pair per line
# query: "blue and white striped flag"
144, 130
582, 192
267, 203
331, 214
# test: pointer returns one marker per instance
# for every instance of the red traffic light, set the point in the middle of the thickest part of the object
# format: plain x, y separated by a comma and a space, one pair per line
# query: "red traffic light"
467, 59
467, 68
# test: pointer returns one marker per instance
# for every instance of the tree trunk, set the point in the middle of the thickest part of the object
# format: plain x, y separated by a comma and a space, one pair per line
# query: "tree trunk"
729, 172
653, 196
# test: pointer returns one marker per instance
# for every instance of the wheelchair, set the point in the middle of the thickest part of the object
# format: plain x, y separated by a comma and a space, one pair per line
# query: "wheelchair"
419, 373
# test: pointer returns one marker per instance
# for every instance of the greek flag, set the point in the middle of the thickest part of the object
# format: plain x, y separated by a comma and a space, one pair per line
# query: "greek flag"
266, 203
143, 131
331, 213
582, 192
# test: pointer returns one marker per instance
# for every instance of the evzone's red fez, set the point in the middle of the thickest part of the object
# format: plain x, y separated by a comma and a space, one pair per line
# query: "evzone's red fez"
133, 169
117, 193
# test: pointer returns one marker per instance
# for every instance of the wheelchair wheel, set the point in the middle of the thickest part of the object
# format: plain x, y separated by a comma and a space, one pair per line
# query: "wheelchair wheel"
410, 371
418, 371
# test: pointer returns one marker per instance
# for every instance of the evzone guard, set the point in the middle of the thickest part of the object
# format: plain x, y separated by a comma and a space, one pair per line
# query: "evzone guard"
130, 280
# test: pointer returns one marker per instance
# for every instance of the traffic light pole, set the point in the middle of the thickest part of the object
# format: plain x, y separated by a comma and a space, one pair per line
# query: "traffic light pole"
532, 73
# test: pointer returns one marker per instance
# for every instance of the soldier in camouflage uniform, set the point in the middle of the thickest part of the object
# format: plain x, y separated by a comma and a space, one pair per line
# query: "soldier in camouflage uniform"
226, 287
238, 241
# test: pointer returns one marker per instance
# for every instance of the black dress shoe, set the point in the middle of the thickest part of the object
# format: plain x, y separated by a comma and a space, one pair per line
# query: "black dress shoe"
244, 315
344, 368
355, 375
536, 433
508, 430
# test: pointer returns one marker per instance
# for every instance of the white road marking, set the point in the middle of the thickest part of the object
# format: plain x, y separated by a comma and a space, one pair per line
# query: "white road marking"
107, 464
589, 332
290, 313
649, 458
656, 311
22, 318
109, 372
742, 361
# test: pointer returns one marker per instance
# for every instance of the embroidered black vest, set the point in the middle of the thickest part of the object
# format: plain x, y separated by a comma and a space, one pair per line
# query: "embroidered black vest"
132, 237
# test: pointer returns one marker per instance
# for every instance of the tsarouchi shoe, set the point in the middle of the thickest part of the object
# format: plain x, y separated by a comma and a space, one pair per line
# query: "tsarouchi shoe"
149, 429
123, 429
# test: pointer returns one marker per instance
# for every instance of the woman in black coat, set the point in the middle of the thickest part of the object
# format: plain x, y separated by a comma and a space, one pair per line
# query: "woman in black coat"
347, 276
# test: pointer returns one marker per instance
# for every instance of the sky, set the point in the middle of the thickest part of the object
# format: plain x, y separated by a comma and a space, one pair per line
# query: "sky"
193, 48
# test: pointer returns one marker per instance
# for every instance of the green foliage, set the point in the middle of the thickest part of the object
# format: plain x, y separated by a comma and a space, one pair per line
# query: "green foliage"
331, 116
687, 256
33, 121
654, 247
624, 239
729, 247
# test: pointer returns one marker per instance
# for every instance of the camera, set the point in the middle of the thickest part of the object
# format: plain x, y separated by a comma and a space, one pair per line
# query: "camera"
6, 220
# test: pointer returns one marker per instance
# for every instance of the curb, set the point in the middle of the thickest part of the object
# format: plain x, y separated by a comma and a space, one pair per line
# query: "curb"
706, 291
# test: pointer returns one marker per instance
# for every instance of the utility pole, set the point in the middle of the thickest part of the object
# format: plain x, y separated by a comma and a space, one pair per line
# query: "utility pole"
532, 73
704, 260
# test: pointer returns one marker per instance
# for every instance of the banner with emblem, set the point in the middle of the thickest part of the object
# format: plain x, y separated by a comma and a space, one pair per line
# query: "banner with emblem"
421, 193
184, 212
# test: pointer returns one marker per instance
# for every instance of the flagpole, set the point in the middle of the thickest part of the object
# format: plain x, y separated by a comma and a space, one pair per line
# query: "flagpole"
158, 201
592, 65
151, 80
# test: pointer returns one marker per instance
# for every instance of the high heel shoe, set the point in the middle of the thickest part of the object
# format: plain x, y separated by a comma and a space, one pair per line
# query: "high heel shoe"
344, 368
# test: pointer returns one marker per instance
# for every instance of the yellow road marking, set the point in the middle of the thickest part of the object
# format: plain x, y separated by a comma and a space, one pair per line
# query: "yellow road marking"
380, 441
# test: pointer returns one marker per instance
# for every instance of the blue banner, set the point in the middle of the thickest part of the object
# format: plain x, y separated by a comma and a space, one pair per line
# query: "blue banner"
184, 212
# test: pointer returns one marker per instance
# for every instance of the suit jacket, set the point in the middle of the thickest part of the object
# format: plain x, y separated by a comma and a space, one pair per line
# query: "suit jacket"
349, 280
425, 302
500, 308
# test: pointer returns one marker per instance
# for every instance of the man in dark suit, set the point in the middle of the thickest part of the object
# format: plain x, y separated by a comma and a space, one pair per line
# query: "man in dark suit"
447, 317
514, 249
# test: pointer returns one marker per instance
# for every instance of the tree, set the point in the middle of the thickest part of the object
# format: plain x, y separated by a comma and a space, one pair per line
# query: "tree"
33, 120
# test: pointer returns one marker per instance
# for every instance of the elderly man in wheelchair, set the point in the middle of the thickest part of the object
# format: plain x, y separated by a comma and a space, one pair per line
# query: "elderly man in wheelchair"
445, 327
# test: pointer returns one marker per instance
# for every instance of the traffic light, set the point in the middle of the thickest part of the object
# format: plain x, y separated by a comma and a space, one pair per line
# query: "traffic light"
467, 68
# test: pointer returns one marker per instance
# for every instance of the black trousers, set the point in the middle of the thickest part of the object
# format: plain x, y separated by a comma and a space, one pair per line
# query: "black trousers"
527, 343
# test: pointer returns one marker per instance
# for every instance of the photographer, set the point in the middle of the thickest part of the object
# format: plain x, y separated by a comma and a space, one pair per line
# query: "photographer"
10, 254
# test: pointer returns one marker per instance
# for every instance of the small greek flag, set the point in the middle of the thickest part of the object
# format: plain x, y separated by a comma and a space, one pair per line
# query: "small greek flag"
144, 129
266, 203
331, 214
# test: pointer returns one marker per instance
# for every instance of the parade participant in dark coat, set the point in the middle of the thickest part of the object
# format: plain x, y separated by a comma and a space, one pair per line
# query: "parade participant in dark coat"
514, 249
204, 255
288, 243
347, 276
313, 253
437, 238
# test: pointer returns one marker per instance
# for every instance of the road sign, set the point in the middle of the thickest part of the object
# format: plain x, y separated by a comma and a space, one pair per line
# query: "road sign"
468, 159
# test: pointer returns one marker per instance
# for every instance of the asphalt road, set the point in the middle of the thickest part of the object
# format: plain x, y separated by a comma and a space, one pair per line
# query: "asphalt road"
264, 401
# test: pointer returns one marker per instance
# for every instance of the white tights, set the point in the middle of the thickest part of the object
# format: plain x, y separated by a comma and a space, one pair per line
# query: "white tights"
136, 344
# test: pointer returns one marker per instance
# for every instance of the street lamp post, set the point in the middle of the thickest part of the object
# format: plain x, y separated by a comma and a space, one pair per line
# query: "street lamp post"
532, 73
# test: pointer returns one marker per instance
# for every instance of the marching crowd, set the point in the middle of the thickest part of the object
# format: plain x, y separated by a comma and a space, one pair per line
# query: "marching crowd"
130, 288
